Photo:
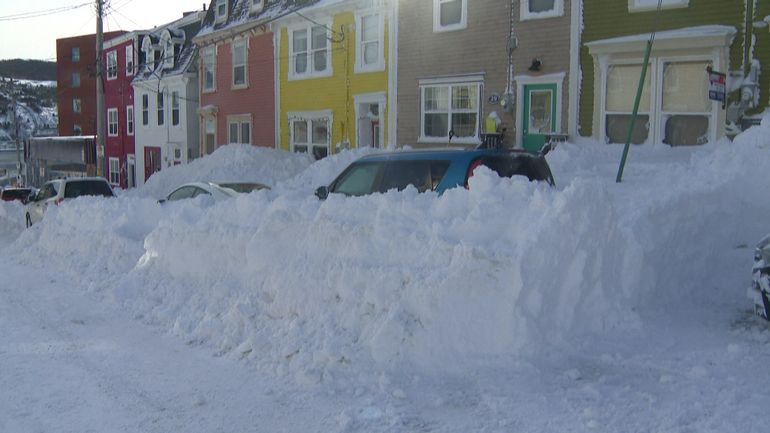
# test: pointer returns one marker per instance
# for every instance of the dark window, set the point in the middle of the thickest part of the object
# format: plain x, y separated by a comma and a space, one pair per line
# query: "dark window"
87, 187
400, 174
533, 168
47, 192
359, 179
182, 193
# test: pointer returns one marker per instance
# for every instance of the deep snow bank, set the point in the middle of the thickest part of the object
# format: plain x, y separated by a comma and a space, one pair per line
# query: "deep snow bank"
503, 269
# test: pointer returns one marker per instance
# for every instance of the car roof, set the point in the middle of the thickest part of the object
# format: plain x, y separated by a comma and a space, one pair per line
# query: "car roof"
440, 153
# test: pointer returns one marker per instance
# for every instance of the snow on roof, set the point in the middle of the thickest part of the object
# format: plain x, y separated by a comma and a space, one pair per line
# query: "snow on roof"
688, 32
240, 14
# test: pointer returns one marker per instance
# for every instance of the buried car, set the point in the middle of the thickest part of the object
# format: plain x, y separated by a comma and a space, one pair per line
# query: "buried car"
59, 190
433, 170
759, 291
217, 190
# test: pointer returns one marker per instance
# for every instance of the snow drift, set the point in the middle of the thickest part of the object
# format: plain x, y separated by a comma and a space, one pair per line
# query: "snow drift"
502, 270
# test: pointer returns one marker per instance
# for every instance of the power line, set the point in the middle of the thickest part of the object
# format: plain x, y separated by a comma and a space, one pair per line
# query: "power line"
36, 14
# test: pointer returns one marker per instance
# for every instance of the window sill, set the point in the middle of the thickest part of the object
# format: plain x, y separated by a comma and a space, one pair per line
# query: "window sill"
239, 87
452, 28
379, 67
324, 74
209, 90
531, 16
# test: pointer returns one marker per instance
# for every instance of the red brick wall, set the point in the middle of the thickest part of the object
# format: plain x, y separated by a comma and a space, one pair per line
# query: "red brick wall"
119, 94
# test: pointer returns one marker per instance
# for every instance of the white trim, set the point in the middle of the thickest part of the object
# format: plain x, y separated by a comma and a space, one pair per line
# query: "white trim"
130, 120
575, 76
463, 24
211, 49
523, 80
221, 17
378, 98
652, 5
110, 160
458, 79
310, 71
379, 65
525, 14
277, 89
393, 77
179, 108
117, 123
442, 82
254, 9
114, 56
130, 72
130, 160
245, 43
239, 120
310, 116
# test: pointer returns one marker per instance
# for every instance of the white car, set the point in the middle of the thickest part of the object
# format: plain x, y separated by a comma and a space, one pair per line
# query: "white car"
217, 190
59, 190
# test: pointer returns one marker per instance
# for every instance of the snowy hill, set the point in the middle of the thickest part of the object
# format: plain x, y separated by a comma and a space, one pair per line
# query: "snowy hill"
509, 306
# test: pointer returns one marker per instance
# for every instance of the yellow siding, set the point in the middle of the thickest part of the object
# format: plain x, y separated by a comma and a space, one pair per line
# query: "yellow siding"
335, 92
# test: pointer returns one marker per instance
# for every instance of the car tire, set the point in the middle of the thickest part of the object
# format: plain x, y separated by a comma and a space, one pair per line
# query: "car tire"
28, 221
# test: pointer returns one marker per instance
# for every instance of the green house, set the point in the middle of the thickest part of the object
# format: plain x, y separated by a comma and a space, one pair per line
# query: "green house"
692, 37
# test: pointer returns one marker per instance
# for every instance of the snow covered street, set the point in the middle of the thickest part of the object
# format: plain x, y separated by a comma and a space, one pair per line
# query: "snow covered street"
506, 307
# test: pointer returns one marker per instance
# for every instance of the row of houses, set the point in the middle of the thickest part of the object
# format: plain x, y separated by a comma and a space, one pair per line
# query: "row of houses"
319, 76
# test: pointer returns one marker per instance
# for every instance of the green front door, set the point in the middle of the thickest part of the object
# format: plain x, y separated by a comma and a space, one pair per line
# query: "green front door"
539, 114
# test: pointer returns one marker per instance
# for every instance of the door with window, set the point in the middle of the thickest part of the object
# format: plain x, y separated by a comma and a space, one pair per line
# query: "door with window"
151, 161
539, 114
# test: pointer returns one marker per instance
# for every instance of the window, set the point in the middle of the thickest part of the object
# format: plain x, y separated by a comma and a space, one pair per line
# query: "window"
168, 53
130, 119
209, 69
75, 79
310, 59
112, 122
161, 118
175, 108
450, 108
145, 109
622, 82
257, 5
311, 134
112, 65
651, 5
534, 9
221, 10
77, 130
115, 171
239, 64
239, 129
75, 54
130, 60
149, 53
369, 46
449, 15
686, 109
76, 105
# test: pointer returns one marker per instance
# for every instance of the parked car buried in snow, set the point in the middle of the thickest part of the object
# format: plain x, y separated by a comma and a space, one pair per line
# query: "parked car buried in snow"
433, 170
759, 291
216, 190
16, 193
59, 190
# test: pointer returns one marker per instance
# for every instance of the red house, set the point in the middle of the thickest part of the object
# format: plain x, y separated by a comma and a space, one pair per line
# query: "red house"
119, 66
76, 83
236, 64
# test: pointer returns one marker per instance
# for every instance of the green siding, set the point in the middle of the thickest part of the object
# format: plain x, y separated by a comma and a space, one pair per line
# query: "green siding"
762, 53
604, 19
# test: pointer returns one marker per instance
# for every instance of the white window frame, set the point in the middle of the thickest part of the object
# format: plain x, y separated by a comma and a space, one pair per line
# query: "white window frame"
129, 60
238, 120
176, 106
558, 10
205, 132
131, 174
112, 65
209, 53
77, 105
145, 109
149, 53
380, 64
308, 117
160, 108
112, 122
130, 120
245, 44
652, 113
437, 27
449, 83
220, 16
652, 5
310, 72
114, 171
378, 98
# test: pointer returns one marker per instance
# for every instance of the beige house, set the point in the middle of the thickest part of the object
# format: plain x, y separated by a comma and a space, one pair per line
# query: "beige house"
462, 62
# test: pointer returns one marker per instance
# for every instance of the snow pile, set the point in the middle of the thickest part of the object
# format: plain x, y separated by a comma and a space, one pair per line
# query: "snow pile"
234, 162
504, 269
11, 219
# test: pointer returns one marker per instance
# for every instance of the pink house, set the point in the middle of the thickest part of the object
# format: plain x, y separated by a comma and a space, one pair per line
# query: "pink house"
236, 64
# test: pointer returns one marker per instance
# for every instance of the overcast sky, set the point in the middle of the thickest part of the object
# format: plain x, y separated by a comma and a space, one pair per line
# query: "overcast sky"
35, 38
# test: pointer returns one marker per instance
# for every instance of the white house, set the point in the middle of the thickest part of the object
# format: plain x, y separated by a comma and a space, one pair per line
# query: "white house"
166, 97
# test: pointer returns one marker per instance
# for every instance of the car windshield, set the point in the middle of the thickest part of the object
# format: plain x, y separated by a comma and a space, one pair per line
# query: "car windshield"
15, 194
87, 187
243, 187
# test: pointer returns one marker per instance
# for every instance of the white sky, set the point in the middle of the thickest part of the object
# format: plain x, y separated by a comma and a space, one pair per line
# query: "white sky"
35, 38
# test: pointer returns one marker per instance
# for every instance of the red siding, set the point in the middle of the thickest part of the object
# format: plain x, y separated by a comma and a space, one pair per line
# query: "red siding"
118, 93
257, 100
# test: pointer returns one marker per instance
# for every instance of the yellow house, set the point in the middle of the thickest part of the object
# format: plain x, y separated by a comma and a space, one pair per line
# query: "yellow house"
333, 76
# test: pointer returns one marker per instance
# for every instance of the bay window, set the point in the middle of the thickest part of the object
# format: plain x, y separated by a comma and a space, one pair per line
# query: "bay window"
311, 133
686, 108
622, 82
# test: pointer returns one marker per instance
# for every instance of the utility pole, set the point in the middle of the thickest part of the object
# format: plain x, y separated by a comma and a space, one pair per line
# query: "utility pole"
100, 113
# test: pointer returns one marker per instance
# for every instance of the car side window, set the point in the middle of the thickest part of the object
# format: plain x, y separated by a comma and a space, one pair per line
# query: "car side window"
47, 192
181, 193
400, 174
198, 191
359, 179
